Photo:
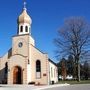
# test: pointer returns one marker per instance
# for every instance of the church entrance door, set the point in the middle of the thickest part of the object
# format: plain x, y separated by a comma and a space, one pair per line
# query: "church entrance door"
17, 75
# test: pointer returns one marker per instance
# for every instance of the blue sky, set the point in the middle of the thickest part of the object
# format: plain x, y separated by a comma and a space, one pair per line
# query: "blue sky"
47, 17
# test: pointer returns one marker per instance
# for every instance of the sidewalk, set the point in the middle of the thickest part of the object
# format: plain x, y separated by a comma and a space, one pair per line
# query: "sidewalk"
51, 86
29, 87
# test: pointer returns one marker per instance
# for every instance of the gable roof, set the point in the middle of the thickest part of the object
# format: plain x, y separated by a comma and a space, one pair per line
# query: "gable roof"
52, 62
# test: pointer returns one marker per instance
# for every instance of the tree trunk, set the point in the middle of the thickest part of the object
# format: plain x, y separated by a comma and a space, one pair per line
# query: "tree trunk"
74, 71
78, 71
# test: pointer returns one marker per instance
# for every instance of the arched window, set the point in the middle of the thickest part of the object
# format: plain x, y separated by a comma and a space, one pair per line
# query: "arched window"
21, 29
38, 66
26, 29
38, 69
6, 68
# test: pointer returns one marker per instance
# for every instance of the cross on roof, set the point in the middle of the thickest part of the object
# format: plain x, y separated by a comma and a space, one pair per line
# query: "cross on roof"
24, 2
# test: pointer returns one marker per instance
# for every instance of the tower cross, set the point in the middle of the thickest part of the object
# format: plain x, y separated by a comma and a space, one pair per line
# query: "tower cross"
24, 3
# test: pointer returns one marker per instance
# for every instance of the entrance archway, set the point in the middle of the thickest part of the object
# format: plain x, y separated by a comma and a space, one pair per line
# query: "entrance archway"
17, 75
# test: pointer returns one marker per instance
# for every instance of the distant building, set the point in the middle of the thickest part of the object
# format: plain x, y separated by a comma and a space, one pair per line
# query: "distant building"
24, 63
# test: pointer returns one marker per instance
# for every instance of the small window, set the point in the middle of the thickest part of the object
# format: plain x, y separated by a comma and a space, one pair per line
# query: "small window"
21, 29
26, 29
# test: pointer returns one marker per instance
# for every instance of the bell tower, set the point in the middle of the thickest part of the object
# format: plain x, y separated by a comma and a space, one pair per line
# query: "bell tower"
24, 22
23, 40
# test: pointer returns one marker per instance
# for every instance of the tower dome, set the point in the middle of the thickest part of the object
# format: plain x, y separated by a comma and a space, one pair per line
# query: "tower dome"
24, 22
24, 17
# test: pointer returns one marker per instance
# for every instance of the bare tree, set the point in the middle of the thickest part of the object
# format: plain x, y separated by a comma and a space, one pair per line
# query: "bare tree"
74, 39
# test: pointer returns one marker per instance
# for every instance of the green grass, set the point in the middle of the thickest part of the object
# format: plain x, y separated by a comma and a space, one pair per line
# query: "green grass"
75, 82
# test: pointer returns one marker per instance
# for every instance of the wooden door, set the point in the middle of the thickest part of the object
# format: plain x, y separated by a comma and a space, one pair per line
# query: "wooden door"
17, 75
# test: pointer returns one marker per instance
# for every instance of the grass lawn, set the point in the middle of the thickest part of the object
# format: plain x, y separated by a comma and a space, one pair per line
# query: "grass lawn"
75, 82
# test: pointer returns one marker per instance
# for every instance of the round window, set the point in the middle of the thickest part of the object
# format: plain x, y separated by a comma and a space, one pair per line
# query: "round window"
20, 44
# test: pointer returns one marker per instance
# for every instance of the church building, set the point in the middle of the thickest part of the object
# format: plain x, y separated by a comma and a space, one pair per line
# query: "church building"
24, 63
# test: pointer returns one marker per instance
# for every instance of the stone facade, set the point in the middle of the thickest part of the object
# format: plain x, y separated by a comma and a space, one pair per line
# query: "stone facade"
24, 63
